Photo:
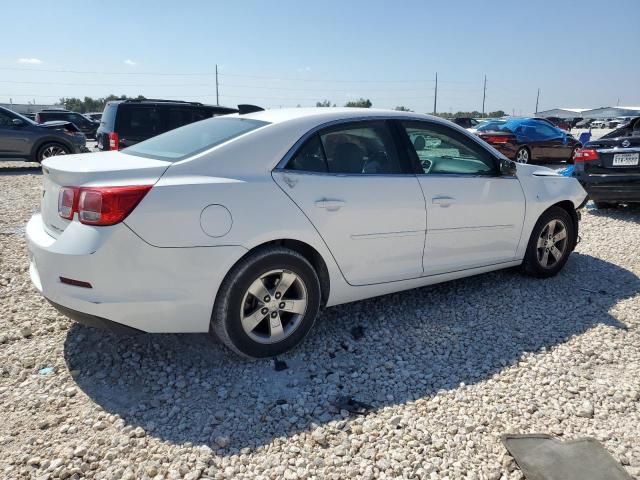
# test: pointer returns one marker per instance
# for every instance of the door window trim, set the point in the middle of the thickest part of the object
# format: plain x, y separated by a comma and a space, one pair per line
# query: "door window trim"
403, 159
472, 143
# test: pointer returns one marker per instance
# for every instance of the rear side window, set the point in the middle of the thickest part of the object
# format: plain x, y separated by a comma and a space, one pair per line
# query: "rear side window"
363, 148
194, 138
138, 121
108, 116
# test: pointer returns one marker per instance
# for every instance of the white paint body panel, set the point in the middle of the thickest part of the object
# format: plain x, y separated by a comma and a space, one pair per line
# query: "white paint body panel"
359, 219
160, 269
472, 221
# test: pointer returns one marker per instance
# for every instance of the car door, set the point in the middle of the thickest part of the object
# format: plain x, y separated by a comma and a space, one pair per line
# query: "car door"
474, 214
362, 198
554, 141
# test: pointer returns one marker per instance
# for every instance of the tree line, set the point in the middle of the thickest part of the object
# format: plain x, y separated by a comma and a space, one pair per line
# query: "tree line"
92, 104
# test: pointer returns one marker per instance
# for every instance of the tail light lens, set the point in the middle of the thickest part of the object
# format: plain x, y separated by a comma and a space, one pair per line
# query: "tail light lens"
585, 155
100, 206
114, 141
67, 202
496, 138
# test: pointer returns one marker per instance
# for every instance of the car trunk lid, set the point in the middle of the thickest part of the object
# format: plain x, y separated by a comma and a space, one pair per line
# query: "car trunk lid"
92, 170
616, 155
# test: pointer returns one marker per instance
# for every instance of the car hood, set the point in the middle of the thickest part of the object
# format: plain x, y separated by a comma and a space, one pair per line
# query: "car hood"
536, 171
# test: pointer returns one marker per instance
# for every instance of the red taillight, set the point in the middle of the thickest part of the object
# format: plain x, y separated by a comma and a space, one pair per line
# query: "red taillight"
114, 141
496, 138
585, 155
100, 205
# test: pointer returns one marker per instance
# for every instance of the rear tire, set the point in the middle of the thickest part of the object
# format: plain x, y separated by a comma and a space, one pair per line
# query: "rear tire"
51, 149
550, 244
267, 303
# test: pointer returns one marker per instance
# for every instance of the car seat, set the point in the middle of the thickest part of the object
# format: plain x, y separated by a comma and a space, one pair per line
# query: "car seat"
347, 158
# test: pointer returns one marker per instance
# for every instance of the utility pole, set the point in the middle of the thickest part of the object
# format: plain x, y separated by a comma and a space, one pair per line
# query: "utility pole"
484, 94
537, 98
435, 96
217, 97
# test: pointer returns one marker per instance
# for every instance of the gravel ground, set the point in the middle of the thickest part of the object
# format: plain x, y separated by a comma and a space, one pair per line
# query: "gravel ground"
446, 369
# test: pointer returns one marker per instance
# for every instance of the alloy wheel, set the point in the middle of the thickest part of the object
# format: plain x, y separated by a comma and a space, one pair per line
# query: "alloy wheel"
522, 156
274, 306
52, 151
552, 243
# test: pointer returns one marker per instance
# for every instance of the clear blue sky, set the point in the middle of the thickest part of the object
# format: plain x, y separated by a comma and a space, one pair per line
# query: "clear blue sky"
284, 53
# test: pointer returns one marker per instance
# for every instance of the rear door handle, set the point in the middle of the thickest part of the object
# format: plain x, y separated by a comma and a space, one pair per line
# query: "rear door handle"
443, 201
330, 205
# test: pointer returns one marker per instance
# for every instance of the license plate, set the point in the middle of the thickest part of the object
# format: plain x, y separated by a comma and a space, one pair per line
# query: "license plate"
625, 159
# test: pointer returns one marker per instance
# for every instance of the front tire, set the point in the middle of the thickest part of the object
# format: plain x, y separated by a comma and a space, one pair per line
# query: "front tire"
523, 155
550, 244
267, 303
51, 149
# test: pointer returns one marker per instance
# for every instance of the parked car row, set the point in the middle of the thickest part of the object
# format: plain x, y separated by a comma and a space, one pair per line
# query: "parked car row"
23, 138
529, 139
609, 167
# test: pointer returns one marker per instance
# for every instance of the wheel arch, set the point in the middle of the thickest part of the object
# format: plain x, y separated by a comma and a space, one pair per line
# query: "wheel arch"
48, 139
308, 252
569, 207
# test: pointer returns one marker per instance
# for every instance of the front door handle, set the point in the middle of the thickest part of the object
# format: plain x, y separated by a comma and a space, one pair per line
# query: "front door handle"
330, 205
443, 201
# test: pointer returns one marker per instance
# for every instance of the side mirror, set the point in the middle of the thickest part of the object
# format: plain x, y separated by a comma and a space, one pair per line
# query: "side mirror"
17, 122
508, 168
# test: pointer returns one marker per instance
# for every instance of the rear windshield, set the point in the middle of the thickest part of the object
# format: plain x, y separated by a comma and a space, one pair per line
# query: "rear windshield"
194, 138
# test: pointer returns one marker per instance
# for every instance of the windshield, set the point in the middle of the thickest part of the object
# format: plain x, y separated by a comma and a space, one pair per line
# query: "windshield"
194, 138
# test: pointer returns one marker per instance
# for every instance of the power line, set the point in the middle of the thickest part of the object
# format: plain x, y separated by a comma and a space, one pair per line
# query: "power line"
48, 70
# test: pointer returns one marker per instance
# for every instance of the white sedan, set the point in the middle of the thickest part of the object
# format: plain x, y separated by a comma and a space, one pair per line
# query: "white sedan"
247, 225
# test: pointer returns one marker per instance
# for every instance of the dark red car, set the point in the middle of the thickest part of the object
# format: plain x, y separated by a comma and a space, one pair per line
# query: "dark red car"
529, 139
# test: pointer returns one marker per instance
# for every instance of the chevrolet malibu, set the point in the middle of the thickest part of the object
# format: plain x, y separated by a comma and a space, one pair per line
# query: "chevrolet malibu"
247, 225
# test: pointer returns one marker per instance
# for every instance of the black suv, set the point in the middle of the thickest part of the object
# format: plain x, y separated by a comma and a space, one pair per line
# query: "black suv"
23, 138
127, 122
84, 124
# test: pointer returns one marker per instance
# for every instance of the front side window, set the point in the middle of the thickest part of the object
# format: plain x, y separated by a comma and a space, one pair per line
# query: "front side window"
441, 150
362, 148
194, 138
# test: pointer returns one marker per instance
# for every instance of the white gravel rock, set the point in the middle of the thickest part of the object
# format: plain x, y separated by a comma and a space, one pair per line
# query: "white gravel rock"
446, 369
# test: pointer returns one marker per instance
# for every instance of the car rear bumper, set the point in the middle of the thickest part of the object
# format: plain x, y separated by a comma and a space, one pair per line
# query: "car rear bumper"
131, 283
95, 322
611, 188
